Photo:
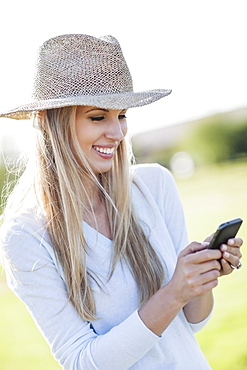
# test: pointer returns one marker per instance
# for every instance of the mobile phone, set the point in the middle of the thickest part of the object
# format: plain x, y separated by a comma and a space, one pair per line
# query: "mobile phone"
225, 231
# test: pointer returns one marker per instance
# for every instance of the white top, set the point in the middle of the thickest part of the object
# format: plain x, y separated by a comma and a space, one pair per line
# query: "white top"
118, 339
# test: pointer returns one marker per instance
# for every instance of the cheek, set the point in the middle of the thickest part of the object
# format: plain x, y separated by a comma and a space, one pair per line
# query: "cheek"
84, 136
125, 129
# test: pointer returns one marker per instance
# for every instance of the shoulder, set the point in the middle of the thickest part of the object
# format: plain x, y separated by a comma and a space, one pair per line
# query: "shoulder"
147, 169
27, 221
153, 183
153, 175
24, 237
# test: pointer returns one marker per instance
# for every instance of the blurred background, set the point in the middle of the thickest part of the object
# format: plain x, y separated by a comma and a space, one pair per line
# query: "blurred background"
199, 132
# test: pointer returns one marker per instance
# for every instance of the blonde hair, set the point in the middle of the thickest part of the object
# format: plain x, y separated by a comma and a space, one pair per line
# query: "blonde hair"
62, 172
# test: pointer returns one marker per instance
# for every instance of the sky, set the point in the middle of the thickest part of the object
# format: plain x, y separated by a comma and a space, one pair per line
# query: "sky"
196, 48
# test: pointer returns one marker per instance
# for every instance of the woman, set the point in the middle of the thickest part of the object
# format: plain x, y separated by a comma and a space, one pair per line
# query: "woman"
94, 247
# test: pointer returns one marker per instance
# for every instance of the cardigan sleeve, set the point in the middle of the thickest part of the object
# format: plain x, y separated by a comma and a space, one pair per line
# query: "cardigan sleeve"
34, 275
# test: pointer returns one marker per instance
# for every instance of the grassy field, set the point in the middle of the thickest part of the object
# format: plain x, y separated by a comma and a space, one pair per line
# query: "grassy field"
211, 196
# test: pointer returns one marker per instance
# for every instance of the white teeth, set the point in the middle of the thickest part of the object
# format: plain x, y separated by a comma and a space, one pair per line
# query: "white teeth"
104, 150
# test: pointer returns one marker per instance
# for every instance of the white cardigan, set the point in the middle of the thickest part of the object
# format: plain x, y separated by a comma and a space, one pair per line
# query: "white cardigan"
118, 339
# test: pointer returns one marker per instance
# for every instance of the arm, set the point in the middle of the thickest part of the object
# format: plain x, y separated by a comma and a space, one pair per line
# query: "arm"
36, 277
198, 309
190, 288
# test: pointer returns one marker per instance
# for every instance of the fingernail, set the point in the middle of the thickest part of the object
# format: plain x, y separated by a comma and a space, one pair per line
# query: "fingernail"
230, 241
226, 254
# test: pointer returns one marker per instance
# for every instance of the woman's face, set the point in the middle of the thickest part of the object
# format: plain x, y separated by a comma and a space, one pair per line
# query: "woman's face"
99, 132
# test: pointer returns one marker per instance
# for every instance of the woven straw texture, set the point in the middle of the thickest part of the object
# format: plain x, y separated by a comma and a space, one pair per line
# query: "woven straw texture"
83, 70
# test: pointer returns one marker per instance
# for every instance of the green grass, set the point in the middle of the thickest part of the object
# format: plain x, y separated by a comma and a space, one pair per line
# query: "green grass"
21, 344
213, 195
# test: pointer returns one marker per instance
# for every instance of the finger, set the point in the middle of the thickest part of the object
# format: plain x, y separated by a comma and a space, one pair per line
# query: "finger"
231, 258
205, 255
235, 251
226, 268
210, 276
209, 266
209, 238
193, 247
236, 242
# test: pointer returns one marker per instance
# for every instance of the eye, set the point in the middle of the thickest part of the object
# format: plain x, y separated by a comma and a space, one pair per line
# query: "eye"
122, 116
97, 119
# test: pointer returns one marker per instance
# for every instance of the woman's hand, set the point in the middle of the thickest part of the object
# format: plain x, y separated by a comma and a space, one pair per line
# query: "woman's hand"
195, 275
231, 255
196, 272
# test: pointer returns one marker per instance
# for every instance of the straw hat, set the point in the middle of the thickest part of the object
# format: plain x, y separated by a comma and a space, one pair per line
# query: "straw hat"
83, 70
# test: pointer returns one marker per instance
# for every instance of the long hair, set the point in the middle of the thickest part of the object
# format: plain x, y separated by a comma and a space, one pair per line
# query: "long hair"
61, 182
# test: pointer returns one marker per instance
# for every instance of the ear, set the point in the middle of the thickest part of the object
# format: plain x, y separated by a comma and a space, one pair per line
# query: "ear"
40, 120
41, 114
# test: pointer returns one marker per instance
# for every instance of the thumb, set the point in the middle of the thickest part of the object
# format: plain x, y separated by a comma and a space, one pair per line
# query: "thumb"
193, 248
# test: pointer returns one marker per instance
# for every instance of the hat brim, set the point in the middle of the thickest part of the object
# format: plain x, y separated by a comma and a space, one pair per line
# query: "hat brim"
124, 100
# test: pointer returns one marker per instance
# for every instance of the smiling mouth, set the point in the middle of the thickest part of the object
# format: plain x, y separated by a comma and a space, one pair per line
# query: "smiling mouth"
104, 150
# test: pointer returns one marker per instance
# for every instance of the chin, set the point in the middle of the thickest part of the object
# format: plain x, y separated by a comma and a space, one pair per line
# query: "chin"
101, 169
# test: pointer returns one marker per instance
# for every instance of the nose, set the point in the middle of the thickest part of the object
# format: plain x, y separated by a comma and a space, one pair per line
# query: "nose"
115, 130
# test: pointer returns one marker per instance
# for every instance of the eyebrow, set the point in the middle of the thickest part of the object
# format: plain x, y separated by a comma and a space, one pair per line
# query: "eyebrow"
93, 109
103, 109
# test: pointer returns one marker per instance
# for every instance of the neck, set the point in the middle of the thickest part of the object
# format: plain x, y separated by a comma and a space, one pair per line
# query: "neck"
95, 214
95, 197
